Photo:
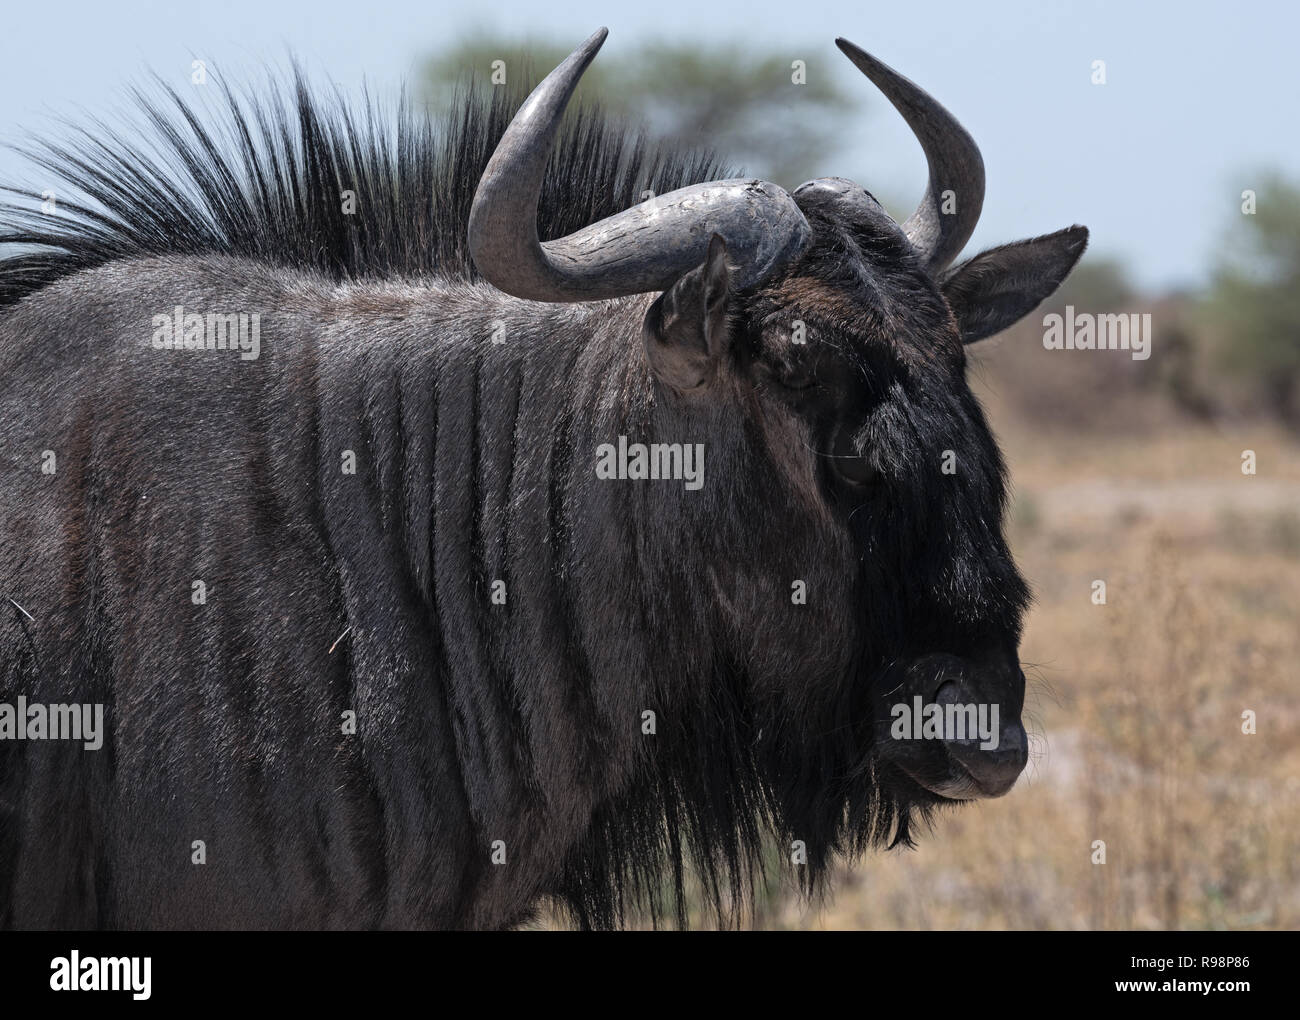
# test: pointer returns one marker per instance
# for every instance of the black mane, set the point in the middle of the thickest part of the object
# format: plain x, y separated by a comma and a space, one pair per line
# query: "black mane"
264, 179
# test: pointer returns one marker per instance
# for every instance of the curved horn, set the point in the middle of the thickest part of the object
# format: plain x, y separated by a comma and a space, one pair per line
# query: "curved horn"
645, 248
954, 159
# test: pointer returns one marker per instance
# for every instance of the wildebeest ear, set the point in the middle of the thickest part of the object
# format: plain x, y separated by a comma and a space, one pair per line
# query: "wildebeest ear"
685, 330
1001, 286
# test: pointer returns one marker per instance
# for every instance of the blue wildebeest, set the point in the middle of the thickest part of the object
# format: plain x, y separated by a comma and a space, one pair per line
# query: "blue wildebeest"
427, 572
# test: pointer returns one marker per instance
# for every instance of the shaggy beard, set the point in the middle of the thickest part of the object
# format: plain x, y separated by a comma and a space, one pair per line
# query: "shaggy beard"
730, 786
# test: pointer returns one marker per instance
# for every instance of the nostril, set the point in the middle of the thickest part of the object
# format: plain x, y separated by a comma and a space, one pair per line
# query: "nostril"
1014, 738
995, 769
930, 674
949, 692
970, 722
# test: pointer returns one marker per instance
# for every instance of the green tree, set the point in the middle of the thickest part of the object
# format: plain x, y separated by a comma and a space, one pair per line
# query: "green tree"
738, 101
1254, 300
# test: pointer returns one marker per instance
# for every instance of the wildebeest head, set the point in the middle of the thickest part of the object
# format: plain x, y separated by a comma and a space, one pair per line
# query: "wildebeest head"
855, 498
837, 336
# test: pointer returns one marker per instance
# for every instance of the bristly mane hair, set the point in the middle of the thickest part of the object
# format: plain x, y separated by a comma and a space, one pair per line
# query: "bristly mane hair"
265, 179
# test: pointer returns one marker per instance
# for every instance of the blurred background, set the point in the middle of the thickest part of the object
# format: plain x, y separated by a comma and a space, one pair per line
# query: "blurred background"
1169, 130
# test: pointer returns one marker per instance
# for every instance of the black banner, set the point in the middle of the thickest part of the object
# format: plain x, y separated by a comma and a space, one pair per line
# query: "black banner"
1010, 970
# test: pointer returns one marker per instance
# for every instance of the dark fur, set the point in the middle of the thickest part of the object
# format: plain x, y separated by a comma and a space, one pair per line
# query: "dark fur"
261, 178
475, 722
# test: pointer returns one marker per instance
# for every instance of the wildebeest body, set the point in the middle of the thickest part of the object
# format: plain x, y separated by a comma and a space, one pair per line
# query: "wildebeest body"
475, 722
185, 465
377, 644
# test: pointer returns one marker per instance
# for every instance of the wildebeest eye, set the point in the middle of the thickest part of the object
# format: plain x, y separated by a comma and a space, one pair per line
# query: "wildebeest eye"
849, 465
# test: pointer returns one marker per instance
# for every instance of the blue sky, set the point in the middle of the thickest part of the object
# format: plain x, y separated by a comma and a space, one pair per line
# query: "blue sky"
1199, 94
